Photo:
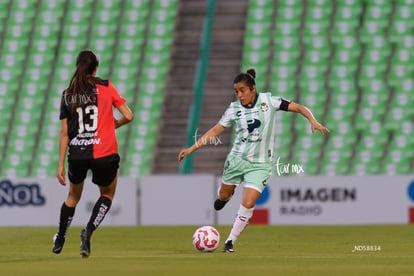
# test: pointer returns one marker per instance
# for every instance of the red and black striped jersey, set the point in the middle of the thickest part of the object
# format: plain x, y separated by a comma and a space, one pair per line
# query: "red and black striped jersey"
91, 127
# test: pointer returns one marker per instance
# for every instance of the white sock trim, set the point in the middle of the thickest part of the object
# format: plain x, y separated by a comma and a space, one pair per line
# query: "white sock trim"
245, 212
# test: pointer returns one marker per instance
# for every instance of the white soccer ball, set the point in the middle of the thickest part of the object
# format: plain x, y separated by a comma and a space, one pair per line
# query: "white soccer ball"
206, 239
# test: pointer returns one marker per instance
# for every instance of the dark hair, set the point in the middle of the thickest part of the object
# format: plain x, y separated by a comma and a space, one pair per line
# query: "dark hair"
81, 82
248, 77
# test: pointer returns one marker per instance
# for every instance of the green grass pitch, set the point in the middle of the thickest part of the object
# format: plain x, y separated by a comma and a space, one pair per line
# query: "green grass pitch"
168, 250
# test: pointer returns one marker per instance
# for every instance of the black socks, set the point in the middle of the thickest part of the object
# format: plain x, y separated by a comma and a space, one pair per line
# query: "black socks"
66, 216
99, 211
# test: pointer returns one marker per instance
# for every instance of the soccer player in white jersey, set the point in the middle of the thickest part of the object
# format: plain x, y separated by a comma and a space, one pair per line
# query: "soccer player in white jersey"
250, 159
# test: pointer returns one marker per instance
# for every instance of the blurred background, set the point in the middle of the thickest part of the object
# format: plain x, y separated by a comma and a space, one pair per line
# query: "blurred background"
350, 61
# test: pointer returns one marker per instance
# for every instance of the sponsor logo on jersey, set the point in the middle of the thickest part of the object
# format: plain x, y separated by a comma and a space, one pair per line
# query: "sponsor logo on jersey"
253, 124
84, 142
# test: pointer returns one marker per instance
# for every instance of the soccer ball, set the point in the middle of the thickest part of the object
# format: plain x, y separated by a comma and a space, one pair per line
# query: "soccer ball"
206, 239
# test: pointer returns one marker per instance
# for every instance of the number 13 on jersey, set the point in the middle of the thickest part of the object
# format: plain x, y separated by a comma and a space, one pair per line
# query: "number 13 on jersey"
88, 118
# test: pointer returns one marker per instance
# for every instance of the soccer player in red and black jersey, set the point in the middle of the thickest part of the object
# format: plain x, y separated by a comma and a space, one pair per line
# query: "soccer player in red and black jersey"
88, 130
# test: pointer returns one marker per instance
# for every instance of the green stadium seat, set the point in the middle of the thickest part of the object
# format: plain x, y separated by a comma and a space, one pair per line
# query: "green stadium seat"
336, 164
289, 12
396, 117
369, 168
344, 30
402, 23
344, 57
315, 57
400, 72
313, 73
14, 167
308, 143
318, 15
284, 74
282, 88
397, 160
348, 10
351, 48
376, 85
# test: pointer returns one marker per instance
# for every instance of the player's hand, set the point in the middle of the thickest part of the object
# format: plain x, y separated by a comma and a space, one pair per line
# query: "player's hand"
183, 153
61, 175
317, 126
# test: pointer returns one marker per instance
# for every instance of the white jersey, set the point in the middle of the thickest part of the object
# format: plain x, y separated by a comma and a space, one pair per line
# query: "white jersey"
254, 127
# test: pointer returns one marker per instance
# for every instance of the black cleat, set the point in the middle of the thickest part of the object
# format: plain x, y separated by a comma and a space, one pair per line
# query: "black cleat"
58, 243
85, 247
228, 246
219, 204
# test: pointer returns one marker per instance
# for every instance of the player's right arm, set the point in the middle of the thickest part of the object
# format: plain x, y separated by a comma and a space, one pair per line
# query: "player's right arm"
63, 146
204, 140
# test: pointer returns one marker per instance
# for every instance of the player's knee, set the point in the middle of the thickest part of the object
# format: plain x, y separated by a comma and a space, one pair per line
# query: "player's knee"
74, 198
108, 192
109, 196
248, 203
72, 201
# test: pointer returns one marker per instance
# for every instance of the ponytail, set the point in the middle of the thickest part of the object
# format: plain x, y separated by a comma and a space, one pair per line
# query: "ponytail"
82, 80
248, 77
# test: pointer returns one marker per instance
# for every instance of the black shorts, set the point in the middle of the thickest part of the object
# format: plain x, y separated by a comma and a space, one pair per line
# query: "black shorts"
103, 169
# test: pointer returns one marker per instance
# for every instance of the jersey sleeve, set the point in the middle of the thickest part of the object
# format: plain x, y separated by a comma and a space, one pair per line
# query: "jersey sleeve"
117, 99
64, 110
227, 118
280, 103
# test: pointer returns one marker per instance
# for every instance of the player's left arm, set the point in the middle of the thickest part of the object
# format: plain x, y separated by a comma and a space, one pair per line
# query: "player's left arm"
127, 116
63, 145
315, 125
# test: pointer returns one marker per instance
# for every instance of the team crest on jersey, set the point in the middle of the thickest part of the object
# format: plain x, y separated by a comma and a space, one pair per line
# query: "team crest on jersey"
264, 107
